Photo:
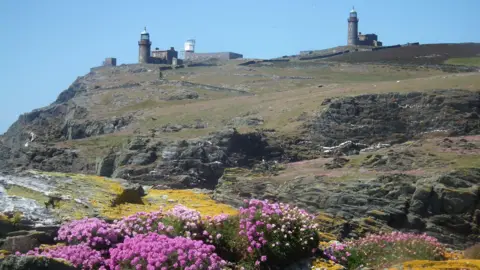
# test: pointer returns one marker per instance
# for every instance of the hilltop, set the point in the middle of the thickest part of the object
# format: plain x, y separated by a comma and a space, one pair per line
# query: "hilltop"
379, 139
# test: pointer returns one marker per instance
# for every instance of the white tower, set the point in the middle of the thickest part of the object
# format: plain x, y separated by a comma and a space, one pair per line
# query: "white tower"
190, 45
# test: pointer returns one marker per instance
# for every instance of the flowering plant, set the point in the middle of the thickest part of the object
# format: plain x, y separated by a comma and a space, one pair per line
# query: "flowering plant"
380, 250
81, 256
222, 232
153, 251
142, 223
277, 232
94, 232
185, 222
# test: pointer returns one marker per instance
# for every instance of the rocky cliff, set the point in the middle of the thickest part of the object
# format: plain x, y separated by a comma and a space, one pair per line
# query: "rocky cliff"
365, 143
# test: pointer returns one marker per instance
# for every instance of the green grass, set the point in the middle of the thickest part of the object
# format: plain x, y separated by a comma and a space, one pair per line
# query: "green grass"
94, 147
466, 61
26, 193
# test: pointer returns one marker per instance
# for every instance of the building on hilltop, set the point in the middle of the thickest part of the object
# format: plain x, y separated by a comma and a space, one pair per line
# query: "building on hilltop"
146, 56
110, 62
356, 38
369, 40
191, 55
163, 57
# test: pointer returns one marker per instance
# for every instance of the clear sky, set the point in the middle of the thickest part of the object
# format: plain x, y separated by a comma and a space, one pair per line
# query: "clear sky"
45, 45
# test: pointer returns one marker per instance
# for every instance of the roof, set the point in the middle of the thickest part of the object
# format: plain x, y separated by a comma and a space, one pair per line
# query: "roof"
144, 31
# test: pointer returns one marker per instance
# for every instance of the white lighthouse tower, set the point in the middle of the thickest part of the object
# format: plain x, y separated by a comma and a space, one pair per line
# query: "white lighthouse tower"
190, 45
188, 49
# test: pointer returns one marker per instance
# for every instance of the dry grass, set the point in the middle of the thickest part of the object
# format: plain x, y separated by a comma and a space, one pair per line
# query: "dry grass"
278, 101
473, 252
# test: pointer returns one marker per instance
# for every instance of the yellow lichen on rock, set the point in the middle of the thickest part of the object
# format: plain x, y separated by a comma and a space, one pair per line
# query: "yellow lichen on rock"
192, 199
4, 253
451, 264
453, 255
167, 199
79, 195
321, 264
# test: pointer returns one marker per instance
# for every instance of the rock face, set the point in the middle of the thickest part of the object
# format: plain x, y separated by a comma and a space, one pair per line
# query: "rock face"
48, 199
446, 206
194, 163
34, 263
394, 118
347, 126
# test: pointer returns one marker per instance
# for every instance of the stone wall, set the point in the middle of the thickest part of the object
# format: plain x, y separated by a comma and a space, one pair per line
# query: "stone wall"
190, 56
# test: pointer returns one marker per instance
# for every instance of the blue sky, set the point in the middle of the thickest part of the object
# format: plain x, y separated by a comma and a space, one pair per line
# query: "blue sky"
46, 44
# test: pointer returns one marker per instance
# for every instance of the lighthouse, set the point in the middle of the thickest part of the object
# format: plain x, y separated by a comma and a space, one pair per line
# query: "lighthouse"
144, 47
353, 28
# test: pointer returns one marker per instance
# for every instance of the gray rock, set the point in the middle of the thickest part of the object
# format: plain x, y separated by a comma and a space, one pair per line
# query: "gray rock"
25, 241
247, 121
183, 94
138, 143
132, 193
143, 158
445, 206
34, 263
393, 117
106, 166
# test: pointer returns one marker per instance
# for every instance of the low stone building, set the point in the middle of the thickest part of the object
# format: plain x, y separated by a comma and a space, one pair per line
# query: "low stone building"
110, 62
368, 40
163, 56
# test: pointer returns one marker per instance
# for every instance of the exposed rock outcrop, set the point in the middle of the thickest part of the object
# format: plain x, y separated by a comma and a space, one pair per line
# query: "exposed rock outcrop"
193, 163
445, 206
394, 117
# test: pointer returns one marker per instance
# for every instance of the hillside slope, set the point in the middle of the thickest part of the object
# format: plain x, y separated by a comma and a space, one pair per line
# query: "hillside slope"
352, 123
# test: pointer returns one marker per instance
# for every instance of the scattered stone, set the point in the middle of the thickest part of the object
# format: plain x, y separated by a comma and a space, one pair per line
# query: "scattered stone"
247, 121
336, 163
348, 148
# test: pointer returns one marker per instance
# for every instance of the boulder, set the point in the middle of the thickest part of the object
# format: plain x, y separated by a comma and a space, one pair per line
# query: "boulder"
34, 263
106, 165
23, 241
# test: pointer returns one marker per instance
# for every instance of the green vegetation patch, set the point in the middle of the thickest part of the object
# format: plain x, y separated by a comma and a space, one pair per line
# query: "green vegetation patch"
465, 61
24, 192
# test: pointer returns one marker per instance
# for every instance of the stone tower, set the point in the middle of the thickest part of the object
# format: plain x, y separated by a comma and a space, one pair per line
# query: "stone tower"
353, 28
144, 47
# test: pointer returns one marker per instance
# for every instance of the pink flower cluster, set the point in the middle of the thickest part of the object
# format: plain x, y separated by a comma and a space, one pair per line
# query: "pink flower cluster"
92, 231
159, 252
187, 221
396, 237
191, 217
377, 250
270, 227
81, 256
142, 223
212, 228
336, 248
